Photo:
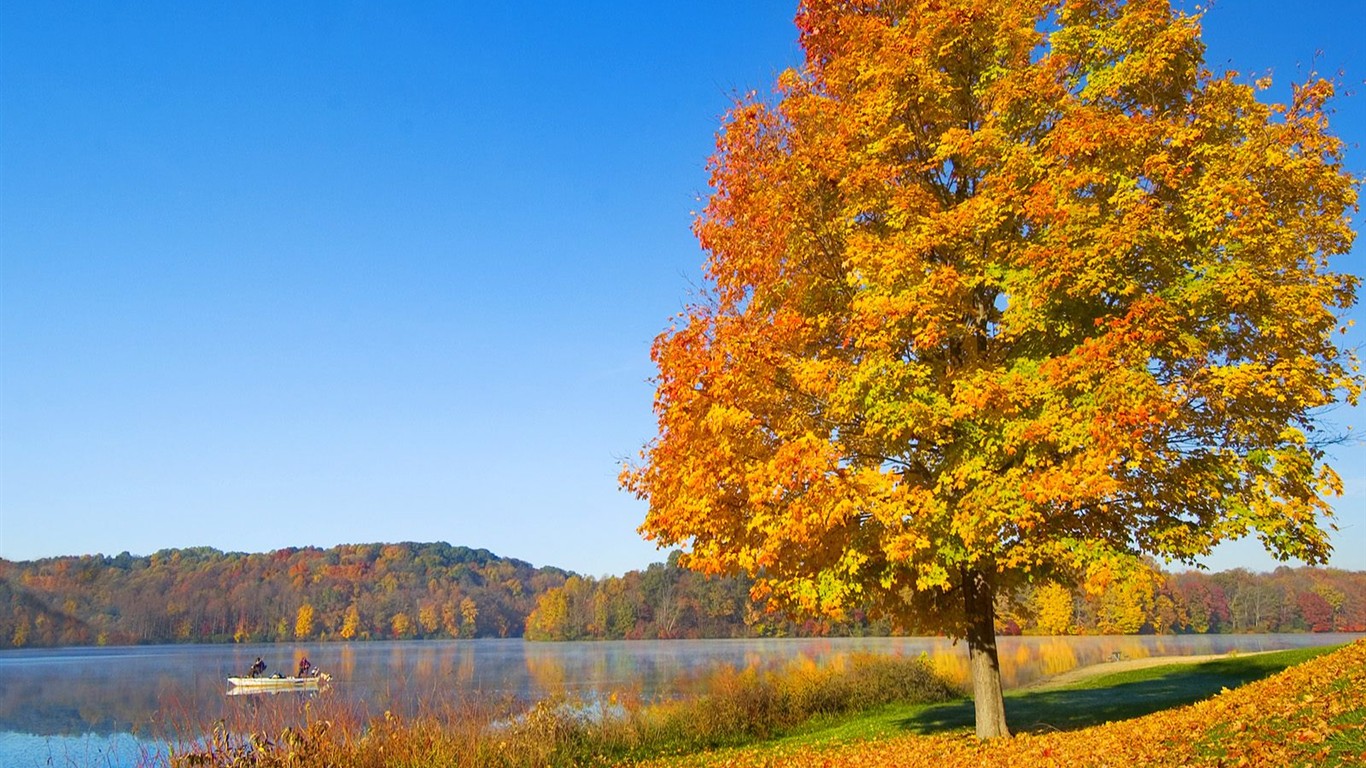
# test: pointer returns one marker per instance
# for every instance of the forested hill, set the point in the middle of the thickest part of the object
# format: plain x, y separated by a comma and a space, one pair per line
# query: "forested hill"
399, 591
360, 591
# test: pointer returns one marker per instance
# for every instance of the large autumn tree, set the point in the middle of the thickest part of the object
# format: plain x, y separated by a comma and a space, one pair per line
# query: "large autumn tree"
1002, 290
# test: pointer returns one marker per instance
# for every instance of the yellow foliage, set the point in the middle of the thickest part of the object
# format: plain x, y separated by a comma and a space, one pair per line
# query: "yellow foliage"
303, 622
401, 625
1053, 608
350, 623
1000, 289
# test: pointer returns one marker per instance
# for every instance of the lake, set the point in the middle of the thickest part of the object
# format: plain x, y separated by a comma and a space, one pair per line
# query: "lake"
117, 706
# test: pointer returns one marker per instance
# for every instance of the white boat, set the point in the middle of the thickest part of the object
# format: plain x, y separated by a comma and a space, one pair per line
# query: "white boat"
278, 683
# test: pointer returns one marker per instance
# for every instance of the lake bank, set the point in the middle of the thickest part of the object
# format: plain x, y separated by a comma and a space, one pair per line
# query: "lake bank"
1312, 713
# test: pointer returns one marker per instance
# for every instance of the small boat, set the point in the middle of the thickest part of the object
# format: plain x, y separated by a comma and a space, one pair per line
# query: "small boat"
277, 683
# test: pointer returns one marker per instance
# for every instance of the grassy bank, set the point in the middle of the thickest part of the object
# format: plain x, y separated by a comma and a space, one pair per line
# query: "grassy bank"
1310, 714
1092, 701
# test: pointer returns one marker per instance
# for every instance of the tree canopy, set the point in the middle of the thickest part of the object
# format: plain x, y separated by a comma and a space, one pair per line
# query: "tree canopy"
1002, 290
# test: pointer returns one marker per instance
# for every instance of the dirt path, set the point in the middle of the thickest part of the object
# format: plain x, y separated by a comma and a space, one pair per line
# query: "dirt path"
1124, 665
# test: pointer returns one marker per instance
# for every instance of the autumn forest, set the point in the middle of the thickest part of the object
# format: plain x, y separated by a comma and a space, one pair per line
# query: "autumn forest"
412, 591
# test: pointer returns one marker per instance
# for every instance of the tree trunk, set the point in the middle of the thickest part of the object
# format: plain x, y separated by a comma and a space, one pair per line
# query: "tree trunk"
980, 605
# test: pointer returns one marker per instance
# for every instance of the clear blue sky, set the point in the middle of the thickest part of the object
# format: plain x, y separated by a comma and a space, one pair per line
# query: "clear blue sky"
286, 274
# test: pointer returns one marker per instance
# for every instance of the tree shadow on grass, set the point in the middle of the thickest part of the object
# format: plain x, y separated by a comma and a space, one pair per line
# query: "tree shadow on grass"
1070, 709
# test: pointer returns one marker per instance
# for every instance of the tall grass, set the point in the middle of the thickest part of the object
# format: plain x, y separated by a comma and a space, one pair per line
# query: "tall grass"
739, 706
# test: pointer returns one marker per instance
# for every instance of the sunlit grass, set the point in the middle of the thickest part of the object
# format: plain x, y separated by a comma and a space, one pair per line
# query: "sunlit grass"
1087, 702
1116, 696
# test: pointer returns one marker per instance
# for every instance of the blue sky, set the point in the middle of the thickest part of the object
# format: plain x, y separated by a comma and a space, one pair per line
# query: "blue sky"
286, 274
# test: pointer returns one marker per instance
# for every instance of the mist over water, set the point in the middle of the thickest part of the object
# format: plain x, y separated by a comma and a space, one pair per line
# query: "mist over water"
115, 706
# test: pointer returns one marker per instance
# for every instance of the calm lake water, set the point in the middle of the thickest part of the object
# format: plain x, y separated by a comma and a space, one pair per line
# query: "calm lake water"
119, 707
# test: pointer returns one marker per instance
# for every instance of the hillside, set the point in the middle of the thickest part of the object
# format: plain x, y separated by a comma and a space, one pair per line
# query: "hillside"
359, 591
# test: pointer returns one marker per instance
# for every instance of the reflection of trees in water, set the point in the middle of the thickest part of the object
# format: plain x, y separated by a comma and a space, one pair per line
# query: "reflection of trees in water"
546, 671
36, 708
397, 655
465, 672
1055, 656
346, 666
55, 702
426, 667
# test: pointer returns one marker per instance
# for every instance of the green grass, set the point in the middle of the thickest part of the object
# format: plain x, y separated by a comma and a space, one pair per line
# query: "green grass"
1093, 701
1352, 741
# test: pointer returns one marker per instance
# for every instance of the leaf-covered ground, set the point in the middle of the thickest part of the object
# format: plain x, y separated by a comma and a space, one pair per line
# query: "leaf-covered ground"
1313, 714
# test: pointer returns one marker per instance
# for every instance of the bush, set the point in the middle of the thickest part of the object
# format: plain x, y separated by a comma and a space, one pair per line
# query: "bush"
749, 704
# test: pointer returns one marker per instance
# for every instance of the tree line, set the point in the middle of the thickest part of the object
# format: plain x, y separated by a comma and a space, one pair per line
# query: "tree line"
202, 595
668, 601
436, 590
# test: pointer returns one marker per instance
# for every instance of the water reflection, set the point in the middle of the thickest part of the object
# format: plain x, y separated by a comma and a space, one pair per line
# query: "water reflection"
162, 692
20, 750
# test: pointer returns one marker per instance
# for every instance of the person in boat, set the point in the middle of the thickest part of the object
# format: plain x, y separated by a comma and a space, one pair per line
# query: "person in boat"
305, 667
257, 667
